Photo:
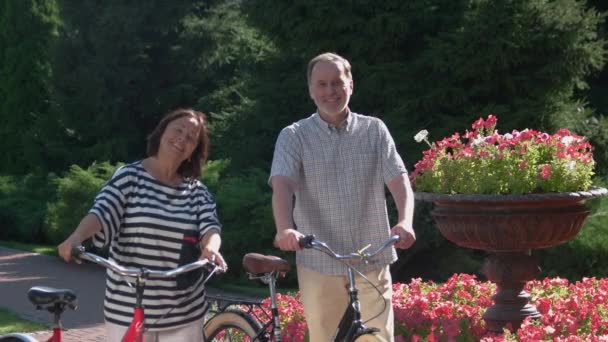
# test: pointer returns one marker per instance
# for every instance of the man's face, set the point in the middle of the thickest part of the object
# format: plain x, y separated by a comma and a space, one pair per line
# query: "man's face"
330, 88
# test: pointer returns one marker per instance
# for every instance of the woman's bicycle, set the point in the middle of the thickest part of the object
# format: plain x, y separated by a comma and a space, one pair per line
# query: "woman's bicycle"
57, 301
237, 320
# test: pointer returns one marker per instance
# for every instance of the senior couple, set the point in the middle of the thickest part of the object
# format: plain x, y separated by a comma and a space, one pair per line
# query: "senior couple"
328, 178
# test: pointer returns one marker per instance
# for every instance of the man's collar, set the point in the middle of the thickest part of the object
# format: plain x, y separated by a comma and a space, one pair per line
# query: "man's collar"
346, 124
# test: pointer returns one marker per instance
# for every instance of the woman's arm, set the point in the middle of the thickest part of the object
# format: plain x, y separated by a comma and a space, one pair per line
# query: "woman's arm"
210, 248
87, 227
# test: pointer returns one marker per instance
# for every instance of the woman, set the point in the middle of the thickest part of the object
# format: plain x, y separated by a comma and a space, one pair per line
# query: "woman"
149, 212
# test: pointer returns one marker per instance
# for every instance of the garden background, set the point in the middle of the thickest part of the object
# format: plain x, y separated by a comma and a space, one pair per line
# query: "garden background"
83, 82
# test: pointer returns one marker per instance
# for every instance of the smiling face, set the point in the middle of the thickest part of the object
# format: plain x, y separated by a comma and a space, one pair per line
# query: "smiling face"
180, 138
330, 88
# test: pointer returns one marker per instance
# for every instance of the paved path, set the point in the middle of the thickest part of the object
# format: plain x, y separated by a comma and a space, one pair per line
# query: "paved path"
19, 271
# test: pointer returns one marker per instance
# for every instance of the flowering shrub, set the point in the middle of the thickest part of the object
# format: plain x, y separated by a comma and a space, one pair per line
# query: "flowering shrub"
425, 311
483, 161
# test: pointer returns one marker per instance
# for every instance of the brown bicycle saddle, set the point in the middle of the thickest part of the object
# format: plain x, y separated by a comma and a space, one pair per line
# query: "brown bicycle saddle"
256, 263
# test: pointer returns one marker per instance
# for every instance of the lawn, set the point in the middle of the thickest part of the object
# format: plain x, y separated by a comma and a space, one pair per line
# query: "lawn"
42, 249
9, 322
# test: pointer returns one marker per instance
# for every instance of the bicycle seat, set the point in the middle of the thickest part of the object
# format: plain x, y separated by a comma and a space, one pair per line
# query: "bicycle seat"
45, 297
256, 263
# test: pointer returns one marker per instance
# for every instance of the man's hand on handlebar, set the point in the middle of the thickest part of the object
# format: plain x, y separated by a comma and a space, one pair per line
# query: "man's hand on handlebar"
288, 240
407, 236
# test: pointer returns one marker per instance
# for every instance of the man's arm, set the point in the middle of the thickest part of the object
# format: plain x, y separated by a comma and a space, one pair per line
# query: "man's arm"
402, 193
283, 189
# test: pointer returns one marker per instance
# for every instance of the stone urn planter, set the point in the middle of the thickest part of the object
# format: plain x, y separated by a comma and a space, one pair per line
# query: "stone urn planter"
509, 227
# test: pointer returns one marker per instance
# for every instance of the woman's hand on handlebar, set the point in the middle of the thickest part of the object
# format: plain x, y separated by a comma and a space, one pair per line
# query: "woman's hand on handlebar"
215, 257
65, 249
288, 240
407, 236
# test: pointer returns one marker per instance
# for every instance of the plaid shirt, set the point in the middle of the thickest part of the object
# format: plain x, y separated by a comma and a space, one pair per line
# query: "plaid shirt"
340, 197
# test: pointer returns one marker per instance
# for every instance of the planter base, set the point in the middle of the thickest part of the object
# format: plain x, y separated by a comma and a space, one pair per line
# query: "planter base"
510, 271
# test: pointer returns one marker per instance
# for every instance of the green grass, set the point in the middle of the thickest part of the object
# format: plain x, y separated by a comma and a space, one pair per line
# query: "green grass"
9, 323
42, 249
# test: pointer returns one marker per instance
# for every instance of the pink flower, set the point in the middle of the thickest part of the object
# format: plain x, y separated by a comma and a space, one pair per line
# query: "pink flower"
545, 172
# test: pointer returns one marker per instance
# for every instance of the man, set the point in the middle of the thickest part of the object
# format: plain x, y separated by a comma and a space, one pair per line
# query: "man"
336, 163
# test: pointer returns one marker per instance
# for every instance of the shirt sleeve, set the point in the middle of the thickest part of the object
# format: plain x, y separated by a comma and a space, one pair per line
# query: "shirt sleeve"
207, 217
287, 159
392, 164
109, 208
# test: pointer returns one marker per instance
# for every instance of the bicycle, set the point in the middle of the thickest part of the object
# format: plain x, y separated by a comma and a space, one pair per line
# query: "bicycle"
235, 320
54, 300
57, 300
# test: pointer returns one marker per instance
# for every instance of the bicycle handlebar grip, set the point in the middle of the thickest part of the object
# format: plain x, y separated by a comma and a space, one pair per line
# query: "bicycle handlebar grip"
77, 251
306, 241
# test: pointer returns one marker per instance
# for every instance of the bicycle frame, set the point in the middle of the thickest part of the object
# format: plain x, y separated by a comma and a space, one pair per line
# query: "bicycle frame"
137, 327
135, 332
350, 325
267, 269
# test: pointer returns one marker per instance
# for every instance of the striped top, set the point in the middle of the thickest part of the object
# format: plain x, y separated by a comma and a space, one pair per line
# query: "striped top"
145, 221
340, 196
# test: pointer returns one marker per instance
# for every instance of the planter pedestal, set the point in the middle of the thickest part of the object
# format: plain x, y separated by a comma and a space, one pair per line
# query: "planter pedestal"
509, 227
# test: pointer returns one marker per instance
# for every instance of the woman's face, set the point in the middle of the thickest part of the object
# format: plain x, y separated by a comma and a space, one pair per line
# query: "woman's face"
180, 138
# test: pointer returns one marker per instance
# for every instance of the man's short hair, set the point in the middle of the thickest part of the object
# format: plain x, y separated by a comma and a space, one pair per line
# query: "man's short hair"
329, 57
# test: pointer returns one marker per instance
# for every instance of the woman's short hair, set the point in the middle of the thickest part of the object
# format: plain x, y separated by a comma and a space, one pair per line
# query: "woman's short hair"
329, 57
190, 168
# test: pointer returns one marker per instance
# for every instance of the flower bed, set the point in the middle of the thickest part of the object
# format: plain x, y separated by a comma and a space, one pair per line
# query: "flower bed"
425, 311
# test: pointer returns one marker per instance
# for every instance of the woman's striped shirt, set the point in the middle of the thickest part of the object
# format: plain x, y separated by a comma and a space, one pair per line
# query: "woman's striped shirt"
145, 223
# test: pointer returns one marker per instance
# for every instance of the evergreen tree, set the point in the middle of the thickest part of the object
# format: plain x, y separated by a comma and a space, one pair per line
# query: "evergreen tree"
119, 66
28, 29
435, 64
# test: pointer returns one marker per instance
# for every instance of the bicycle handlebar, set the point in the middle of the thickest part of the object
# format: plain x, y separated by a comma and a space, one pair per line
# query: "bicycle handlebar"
79, 252
310, 241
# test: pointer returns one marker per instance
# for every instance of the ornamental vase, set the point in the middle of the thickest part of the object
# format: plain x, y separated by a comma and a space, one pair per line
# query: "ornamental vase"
509, 227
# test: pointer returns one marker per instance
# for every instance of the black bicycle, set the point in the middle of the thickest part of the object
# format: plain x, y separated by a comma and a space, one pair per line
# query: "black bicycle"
237, 319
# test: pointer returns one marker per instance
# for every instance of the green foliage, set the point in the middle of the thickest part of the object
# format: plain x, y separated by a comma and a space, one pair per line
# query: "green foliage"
436, 63
23, 206
244, 206
212, 173
586, 254
118, 66
75, 193
28, 29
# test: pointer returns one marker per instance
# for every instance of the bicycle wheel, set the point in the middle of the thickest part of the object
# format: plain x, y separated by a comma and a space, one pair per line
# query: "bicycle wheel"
232, 325
17, 338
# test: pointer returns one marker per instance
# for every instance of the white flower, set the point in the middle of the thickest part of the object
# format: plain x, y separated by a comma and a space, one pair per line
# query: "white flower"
570, 166
567, 140
477, 141
421, 136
